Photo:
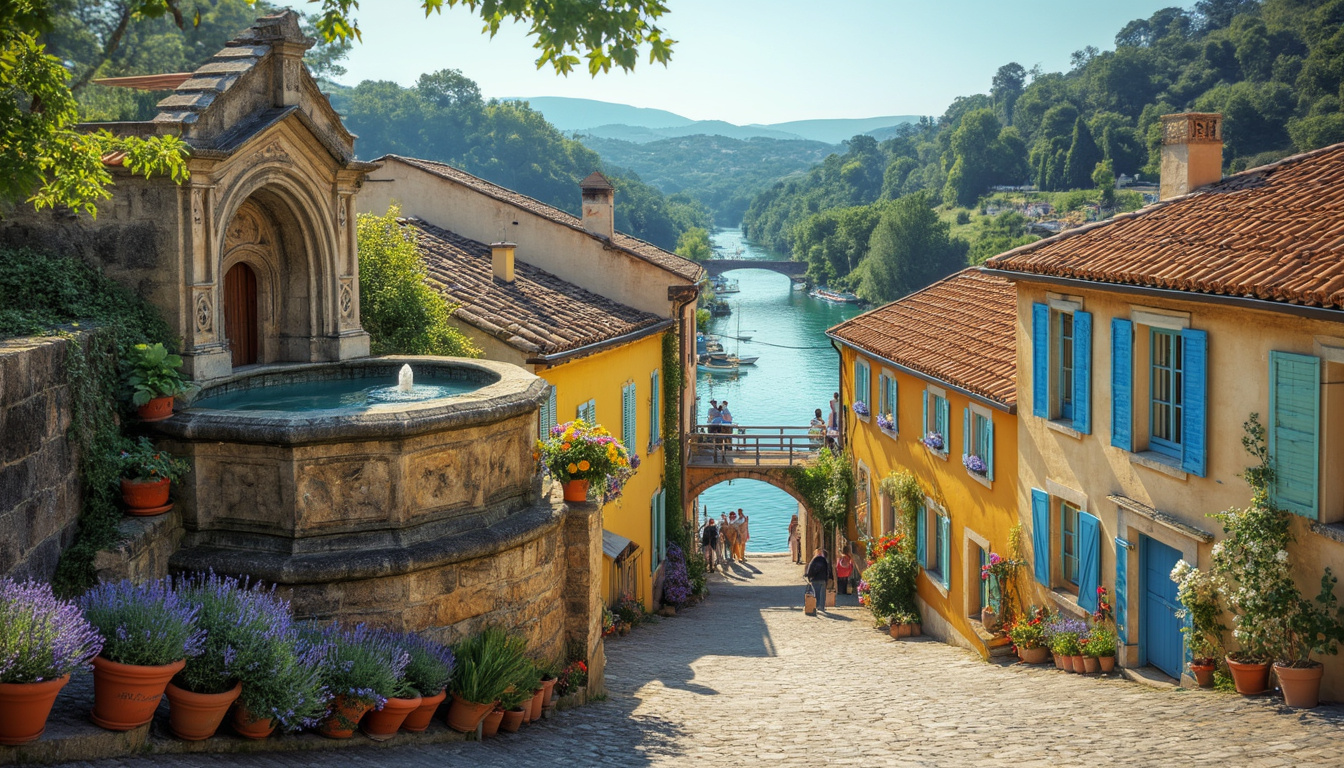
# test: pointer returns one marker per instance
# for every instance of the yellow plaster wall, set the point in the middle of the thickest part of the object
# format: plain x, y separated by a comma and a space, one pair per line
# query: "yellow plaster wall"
978, 514
600, 377
1240, 341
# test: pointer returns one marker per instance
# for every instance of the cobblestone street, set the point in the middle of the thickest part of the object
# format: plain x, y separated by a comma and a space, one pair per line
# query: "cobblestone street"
746, 679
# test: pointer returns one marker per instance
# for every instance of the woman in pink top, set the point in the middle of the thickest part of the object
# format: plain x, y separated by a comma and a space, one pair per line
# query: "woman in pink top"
844, 568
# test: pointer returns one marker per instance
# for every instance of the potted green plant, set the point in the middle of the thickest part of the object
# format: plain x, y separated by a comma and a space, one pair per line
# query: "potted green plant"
428, 672
1027, 634
888, 590
1065, 633
154, 380
43, 639
486, 665
148, 633
587, 457
146, 477
573, 679
1099, 648
511, 709
363, 670
1197, 592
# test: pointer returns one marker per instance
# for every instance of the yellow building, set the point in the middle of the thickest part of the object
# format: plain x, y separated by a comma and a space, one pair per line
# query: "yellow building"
1144, 344
585, 308
935, 372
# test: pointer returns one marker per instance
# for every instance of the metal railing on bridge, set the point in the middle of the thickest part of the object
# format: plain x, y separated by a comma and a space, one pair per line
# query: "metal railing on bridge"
750, 445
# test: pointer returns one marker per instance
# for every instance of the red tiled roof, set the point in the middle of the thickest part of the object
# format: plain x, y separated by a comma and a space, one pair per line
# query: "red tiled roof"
684, 268
960, 330
538, 313
1274, 233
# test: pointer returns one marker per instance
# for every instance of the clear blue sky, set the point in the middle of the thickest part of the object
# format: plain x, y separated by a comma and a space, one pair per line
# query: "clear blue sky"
766, 61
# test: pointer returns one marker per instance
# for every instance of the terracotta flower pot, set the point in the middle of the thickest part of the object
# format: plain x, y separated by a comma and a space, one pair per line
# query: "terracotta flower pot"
894, 630
157, 409
1059, 660
513, 718
1091, 665
490, 725
196, 716
419, 720
535, 714
126, 695
1064, 662
1250, 679
1107, 663
1079, 665
1301, 685
344, 717
143, 495
383, 724
24, 708
1032, 655
1203, 674
916, 629
249, 726
548, 693
576, 490
464, 716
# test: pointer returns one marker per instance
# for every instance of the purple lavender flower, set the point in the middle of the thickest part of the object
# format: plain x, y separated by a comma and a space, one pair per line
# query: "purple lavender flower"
975, 463
676, 577
145, 624
430, 664
860, 407
41, 636
934, 440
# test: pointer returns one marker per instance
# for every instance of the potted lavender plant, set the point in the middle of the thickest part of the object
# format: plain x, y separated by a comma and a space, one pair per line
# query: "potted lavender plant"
287, 690
363, 670
148, 632
42, 640
428, 672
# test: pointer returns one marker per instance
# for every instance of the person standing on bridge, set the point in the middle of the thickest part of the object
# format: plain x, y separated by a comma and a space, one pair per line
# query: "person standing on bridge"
833, 426
819, 572
715, 419
727, 428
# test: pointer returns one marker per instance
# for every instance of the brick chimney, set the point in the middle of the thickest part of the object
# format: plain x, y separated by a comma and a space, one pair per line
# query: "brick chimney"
501, 260
1192, 152
599, 205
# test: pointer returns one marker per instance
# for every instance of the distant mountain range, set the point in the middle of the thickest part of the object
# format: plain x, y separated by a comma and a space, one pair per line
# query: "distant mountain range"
642, 125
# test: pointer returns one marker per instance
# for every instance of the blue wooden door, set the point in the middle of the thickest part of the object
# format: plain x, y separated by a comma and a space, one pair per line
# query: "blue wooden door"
1161, 629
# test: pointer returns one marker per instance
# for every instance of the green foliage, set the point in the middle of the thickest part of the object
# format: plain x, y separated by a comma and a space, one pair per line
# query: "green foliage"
891, 586
826, 487
488, 664
1101, 641
910, 248
907, 496
154, 372
998, 234
694, 244
673, 382
399, 309
140, 460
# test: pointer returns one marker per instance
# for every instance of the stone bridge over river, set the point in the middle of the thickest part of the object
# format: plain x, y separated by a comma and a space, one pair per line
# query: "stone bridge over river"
786, 268
768, 454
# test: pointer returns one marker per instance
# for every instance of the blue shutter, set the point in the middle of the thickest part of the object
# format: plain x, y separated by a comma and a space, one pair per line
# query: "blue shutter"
1294, 431
1122, 373
895, 403
989, 449
1082, 372
921, 547
1040, 534
945, 424
966, 446
945, 549
1194, 398
1122, 592
1040, 361
1089, 561
926, 414
553, 412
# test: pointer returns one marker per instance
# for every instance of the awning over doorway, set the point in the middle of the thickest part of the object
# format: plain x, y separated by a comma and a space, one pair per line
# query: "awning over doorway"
617, 547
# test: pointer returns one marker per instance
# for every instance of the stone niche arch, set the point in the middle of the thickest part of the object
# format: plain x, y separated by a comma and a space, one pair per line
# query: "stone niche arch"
274, 227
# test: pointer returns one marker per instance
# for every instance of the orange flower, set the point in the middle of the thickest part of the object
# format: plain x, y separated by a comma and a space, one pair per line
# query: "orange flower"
536, 455
572, 469
583, 465
565, 446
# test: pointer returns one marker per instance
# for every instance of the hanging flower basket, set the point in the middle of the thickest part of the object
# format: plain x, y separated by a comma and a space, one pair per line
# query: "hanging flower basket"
578, 451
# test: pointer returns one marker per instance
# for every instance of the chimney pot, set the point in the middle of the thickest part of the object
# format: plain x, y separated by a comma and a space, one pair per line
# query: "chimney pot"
599, 205
1192, 152
501, 260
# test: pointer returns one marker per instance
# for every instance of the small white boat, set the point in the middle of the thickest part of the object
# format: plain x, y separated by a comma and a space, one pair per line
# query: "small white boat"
733, 359
713, 365
834, 297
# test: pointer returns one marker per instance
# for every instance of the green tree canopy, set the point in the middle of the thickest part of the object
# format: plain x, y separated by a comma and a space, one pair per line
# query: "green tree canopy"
910, 249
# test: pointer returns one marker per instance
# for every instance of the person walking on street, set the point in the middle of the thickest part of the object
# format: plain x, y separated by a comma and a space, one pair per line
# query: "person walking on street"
709, 542
723, 539
730, 537
743, 535
795, 543
819, 572
844, 569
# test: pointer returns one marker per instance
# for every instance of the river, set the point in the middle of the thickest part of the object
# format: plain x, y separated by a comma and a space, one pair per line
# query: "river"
797, 373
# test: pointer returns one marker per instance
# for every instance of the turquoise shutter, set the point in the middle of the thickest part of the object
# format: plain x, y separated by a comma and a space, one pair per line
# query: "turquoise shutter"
989, 449
1121, 591
1122, 372
945, 549
1040, 534
1194, 398
926, 413
921, 546
966, 446
553, 413
1089, 560
895, 403
1040, 361
1294, 431
945, 424
1082, 372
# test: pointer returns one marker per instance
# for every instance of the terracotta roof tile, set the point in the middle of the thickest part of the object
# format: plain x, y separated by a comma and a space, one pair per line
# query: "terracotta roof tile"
1275, 233
538, 313
960, 330
684, 268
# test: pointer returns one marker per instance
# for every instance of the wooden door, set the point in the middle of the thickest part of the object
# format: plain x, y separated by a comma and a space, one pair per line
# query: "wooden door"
240, 313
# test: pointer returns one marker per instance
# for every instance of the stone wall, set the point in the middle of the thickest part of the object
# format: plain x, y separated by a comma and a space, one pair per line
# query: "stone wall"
39, 483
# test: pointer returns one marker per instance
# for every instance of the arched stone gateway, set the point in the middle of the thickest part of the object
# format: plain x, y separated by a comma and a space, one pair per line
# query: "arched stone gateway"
700, 479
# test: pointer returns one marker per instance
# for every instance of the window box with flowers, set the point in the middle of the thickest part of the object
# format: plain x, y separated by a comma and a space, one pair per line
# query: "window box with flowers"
934, 442
975, 464
860, 409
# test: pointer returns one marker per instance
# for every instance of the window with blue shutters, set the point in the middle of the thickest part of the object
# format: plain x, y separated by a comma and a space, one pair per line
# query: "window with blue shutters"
863, 392
1122, 375
1061, 364
1040, 535
587, 411
547, 417
629, 416
1294, 431
655, 410
887, 403
933, 528
937, 416
979, 438
1165, 391
1068, 542
1089, 560
658, 532
921, 543
944, 550
1064, 359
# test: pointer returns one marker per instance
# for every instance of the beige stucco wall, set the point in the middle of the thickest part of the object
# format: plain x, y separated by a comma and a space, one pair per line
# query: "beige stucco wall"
1089, 468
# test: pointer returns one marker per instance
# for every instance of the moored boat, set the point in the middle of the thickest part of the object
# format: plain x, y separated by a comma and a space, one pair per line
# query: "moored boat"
834, 297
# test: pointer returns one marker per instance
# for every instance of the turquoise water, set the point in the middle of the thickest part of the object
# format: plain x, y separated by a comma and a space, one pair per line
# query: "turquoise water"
339, 396
797, 372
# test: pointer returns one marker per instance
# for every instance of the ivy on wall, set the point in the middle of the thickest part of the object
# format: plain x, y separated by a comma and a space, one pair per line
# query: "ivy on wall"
907, 497
678, 530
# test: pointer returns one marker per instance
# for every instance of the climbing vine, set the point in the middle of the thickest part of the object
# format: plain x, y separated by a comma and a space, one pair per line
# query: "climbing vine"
826, 487
673, 381
907, 497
